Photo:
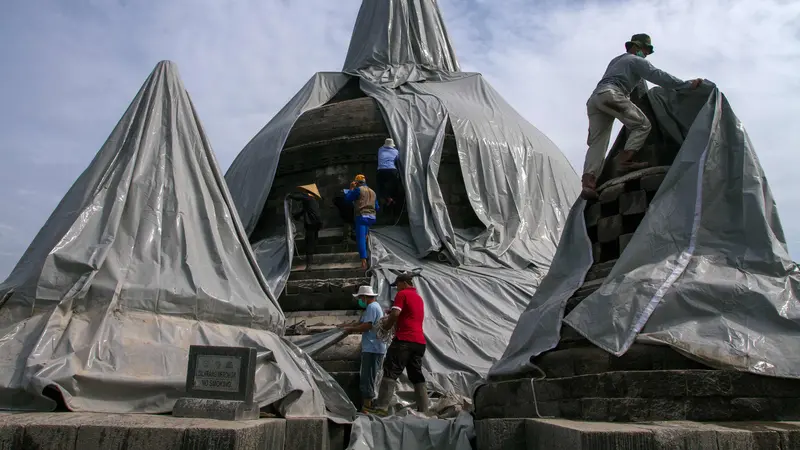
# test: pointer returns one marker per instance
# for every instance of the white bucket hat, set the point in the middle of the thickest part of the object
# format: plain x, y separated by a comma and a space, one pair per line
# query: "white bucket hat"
389, 142
365, 291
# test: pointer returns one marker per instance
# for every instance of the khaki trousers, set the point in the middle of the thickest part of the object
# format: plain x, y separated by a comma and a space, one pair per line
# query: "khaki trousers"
602, 108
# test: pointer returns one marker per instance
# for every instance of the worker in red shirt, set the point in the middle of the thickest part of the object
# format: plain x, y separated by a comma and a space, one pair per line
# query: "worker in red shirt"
407, 347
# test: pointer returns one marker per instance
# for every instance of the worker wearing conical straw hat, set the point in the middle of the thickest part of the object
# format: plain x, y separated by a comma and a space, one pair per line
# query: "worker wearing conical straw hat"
309, 197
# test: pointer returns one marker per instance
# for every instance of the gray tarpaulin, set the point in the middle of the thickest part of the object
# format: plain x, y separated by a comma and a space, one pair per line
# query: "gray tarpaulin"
707, 271
145, 256
412, 433
518, 183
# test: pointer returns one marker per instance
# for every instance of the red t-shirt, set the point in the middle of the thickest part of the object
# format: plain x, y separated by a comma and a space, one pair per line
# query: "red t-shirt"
412, 313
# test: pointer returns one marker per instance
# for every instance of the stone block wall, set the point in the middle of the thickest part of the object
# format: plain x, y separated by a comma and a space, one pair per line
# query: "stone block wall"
330, 145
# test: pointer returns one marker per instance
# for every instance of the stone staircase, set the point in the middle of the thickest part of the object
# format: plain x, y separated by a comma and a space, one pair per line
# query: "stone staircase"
320, 299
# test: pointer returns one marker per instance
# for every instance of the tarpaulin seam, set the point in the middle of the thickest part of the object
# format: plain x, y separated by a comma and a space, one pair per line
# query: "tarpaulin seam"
683, 260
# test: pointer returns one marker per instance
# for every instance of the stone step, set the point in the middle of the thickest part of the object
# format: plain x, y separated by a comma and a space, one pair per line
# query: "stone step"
323, 317
321, 294
327, 236
589, 360
299, 262
103, 431
348, 349
637, 396
561, 434
329, 270
323, 249
312, 322
317, 301
341, 366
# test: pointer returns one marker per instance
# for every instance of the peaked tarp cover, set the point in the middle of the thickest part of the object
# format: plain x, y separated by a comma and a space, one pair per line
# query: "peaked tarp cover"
518, 182
145, 256
707, 272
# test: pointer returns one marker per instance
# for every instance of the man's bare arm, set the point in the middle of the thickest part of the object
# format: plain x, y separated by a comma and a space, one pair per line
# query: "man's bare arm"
392, 320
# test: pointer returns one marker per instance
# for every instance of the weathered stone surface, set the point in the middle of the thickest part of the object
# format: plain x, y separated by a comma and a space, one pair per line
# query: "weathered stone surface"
633, 203
652, 182
94, 431
624, 240
206, 408
324, 271
299, 262
10, 433
501, 434
50, 431
322, 318
609, 228
628, 396
611, 193
555, 434
216, 435
307, 434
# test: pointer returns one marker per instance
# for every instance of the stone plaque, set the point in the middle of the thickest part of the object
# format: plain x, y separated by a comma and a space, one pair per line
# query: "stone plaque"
223, 373
217, 373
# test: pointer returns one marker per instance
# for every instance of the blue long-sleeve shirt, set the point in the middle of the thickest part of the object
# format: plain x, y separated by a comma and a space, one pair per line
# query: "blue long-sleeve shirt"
387, 158
352, 195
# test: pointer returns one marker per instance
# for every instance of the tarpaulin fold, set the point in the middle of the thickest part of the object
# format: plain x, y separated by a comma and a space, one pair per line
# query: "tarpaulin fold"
518, 182
144, 256
707, 271
412, 433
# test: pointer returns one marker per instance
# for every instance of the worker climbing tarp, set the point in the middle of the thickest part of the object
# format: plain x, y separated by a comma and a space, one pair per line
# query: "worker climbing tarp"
145, 256
519, 184
707, 272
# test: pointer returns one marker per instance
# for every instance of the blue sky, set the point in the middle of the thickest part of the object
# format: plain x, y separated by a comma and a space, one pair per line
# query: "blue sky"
70, 68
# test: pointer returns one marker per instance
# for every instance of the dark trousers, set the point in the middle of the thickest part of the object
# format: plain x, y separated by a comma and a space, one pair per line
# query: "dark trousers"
389, 187
388, 184
403, 355
312, 236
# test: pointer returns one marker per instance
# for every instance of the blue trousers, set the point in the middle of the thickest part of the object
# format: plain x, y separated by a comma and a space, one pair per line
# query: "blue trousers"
370, 367
362, 228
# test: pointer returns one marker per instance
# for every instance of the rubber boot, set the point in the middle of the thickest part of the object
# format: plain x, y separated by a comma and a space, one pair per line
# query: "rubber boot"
386, 392
625, 164
589, 183
421, 397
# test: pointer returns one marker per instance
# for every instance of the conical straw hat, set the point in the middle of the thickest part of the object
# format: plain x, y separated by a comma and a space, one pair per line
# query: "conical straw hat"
312, 188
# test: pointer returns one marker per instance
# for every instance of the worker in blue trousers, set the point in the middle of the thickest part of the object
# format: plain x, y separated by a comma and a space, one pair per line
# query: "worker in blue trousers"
366, 206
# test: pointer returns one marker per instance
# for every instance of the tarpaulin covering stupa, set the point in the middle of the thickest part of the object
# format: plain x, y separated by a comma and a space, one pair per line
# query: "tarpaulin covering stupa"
707, 272
518, 182
145, 256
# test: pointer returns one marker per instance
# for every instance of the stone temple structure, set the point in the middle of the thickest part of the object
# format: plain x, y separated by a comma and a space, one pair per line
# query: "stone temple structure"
651, 310
486, 195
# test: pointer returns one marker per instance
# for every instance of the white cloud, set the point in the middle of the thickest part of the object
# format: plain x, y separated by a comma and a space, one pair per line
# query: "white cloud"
70, 70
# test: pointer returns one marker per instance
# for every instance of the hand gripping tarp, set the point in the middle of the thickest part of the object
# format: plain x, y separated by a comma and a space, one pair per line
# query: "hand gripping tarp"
145, 256
707, 272
519, 184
